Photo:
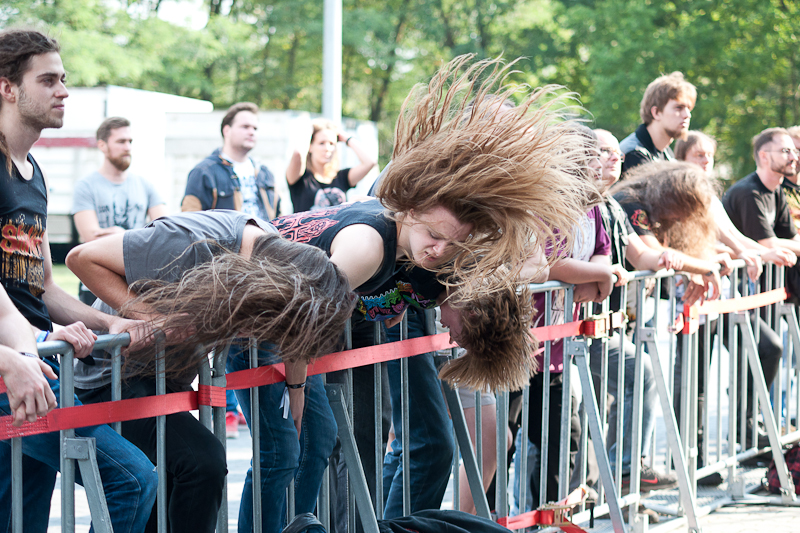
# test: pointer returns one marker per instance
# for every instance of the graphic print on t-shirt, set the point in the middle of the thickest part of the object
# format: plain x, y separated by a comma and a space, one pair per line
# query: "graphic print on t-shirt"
328, 197
22, 258
303, 227
639, 219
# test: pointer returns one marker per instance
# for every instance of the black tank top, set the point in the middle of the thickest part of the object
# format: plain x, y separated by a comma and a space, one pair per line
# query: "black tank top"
318, 228
23, 221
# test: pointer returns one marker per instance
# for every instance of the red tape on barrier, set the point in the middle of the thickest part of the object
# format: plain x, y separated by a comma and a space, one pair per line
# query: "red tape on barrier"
108, 412
551, 514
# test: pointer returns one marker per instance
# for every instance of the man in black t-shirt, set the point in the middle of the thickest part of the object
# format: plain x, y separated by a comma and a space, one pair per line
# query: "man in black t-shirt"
757, 204
32, 94
665, 110
757, 207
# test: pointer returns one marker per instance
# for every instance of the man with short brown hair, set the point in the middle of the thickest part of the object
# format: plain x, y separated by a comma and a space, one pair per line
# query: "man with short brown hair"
665, 111
228, 178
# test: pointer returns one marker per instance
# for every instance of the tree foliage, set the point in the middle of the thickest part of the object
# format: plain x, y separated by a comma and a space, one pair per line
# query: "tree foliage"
741, 54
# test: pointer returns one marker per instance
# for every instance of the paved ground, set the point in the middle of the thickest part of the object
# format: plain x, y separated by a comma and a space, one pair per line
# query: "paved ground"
749, 518
736, 519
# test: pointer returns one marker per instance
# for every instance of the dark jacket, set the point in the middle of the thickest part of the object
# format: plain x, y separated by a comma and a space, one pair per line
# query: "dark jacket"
638, 148
213, 185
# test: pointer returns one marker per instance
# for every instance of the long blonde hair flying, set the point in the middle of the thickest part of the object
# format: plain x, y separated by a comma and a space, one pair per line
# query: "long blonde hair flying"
514, 174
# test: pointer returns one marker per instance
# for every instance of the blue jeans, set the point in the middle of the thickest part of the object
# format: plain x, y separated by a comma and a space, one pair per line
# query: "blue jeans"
431, 434
648, 400
230, 402
129, 478
283, 456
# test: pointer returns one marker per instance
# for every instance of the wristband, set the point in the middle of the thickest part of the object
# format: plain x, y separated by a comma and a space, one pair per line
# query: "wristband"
709, 274
298, 386
42, 336
29, 354
347, 142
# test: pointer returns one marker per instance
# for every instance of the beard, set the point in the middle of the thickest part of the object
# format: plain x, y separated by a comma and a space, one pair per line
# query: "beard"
681, 134
121, 163
36, 115
785, 169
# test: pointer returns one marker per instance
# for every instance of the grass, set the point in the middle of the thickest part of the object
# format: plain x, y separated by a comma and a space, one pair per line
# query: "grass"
65, 279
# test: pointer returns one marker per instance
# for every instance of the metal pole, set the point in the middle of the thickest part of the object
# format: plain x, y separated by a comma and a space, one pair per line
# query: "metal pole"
332, 61
255, 432
67, 393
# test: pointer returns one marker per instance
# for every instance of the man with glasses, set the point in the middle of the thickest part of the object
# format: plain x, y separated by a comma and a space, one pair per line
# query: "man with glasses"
666, 110
791, 185
757, 206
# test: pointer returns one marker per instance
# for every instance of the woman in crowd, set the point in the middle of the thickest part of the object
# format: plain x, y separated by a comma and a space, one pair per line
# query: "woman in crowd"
315, 181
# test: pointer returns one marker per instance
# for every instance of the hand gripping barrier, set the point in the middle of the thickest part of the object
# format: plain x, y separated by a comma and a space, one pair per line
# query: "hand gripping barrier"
602, 327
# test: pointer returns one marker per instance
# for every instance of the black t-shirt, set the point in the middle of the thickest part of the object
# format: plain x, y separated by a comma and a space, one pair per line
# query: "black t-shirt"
638, 217
23, 221
308, 194
758, 212
318, 228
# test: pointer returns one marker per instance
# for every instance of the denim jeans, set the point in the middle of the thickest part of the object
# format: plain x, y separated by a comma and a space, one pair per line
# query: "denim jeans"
648, 397
283, 456
430, 430
129, 479
231, 403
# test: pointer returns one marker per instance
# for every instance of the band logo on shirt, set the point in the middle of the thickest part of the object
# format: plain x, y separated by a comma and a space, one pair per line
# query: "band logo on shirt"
639, 218
22, 258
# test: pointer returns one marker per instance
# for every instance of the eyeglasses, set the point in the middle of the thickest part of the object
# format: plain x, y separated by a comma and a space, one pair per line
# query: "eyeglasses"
784, 151
607, 152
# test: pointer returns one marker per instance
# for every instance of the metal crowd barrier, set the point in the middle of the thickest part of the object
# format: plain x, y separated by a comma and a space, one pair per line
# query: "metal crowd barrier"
677, 451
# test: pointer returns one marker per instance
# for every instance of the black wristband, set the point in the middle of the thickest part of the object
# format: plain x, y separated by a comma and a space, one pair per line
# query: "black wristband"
29, 354
298, 386
347, 142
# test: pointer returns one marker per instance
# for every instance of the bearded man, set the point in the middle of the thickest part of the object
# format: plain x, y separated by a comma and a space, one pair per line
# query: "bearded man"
111, 200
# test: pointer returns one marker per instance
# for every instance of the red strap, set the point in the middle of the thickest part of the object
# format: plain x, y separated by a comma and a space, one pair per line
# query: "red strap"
210, 395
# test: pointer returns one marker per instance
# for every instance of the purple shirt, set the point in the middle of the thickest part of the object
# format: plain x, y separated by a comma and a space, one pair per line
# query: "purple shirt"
591, 239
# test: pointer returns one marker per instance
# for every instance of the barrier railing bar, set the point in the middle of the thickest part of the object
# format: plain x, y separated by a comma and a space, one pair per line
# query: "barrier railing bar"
161, 454
355, 470
464, 443
720, 336
378, 422
501, 479
543, 444
66, 377
116, 381
687, 497
522, 475
218, 379
760, 389
579, 350
405, 423
566, 407
16, 485
636, 422
204, 378
255, 434
348, 391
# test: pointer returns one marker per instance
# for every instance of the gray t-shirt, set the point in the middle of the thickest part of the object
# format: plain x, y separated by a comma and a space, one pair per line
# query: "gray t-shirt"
164, 250
116, 204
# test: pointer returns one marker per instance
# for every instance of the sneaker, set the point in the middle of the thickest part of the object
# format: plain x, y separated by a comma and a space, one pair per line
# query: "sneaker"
651, 479
242, 421
304, 523
231, 425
